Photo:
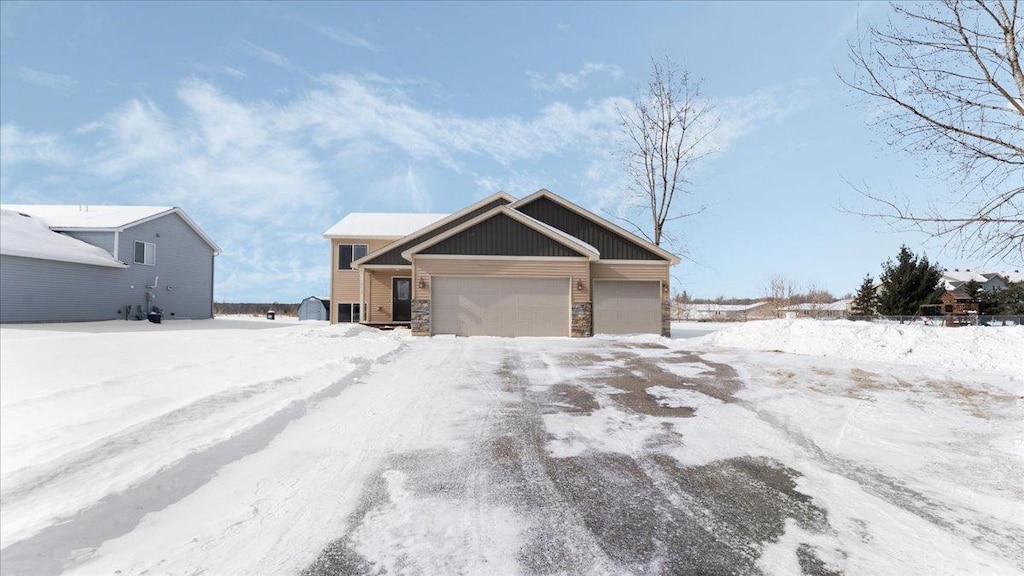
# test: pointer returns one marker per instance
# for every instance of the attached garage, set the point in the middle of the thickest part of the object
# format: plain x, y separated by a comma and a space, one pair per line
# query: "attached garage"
627, 307
496, 306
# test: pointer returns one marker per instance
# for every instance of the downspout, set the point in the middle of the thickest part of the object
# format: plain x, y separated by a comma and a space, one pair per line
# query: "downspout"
362, 298
117, 244
213, 268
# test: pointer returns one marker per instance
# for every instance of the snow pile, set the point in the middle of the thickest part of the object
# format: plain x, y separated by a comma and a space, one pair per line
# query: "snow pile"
989, 348
29, 237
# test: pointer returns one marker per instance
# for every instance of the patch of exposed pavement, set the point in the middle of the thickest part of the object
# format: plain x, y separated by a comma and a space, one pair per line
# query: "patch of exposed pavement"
600, 512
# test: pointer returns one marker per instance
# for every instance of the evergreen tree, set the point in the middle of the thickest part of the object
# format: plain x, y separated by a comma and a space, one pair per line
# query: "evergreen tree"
972, 289
989, 302
866, 300
907, 284
1011, 299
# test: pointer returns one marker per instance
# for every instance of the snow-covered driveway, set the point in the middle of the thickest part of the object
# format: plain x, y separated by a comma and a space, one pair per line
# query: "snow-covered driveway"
340, 450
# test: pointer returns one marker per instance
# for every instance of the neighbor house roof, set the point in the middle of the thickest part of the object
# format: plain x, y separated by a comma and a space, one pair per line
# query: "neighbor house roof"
29, 237
383, 225
92, 217
720, 307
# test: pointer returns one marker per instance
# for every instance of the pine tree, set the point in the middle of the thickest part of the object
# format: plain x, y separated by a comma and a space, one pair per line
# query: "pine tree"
907, 284
866, 300
972, 288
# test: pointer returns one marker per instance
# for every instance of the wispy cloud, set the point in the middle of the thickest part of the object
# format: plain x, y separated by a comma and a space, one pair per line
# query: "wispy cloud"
261, 176
224, 69
344, 37
572, 81
47, 79
268, 56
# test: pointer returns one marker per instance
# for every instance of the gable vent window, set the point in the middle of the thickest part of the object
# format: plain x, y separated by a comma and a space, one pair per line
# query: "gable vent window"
349, 253
145, 253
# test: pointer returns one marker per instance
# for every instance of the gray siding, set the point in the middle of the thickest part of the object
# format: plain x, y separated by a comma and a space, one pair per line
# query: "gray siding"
500, 236
394, 256
104, 240
47, 291
34, 290
184, 263
611, 245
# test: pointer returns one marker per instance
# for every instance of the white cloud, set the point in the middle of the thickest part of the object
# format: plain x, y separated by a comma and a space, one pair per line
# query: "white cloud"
261, 174
268, 56
572, 81
47, 79
344, 37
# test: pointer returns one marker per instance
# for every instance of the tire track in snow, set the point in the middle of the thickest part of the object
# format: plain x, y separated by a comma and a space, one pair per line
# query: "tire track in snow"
71, 540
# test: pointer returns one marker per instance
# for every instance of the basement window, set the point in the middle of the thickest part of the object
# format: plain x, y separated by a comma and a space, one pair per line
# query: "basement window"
348, 312
349, 253
145, 253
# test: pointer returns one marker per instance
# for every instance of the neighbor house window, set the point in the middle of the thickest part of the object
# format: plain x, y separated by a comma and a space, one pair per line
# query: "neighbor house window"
145, 253
349, 253
348, 312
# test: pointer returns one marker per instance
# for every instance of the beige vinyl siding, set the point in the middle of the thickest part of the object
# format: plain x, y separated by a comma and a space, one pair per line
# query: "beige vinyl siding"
424, 268
378, 293
629, 271
345, 283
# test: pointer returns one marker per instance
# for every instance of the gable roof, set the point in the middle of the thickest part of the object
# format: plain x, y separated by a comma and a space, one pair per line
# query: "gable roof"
594, 218
103, 218
380, 225
29, 237
392, 253
574, 244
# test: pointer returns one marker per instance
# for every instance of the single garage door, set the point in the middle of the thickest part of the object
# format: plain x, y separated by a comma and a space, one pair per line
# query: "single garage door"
627, 307
473, 306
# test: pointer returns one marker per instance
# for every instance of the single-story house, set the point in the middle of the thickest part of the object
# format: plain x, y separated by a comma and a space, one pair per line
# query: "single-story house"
82, 263
837, 309
537, 266
988, 280
313, 308
720, 312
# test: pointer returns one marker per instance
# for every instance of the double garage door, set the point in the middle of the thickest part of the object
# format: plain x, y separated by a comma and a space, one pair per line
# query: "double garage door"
475, 306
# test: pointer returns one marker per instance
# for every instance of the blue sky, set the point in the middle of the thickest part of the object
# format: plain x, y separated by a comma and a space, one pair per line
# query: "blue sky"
269, 122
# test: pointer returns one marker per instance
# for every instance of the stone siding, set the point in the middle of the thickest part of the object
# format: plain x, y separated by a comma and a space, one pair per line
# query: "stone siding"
666, 318
582, 320
420, 318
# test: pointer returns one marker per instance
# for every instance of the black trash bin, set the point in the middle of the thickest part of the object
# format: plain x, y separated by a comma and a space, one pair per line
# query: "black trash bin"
155, 315
270, 314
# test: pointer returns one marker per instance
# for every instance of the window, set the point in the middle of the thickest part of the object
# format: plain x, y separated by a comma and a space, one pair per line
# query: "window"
349, 253
145, 253
348, 312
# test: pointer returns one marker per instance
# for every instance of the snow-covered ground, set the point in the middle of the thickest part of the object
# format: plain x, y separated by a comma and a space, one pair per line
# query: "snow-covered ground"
251, 447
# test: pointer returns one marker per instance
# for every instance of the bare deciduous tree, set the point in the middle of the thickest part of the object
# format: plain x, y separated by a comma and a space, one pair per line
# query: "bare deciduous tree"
779, 292
667, 127
948, 78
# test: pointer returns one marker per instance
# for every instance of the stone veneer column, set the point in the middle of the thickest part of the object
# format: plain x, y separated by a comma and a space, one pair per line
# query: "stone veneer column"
420, 318
666, 317
582, 320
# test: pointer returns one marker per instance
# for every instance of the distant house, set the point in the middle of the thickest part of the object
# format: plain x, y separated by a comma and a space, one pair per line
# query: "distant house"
313, 308
988, 280
837, 309
958, 303
537, 266
720, 312
83, 263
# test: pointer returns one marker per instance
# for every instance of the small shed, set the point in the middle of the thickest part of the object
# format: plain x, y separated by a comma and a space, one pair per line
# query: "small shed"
314, 308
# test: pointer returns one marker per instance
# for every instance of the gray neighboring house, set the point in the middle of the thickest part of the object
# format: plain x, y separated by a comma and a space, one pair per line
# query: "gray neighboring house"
313, 308
84, 263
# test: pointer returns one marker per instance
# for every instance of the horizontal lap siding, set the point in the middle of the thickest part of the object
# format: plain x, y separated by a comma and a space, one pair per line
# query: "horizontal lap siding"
627, 271
378, 293
539, 268
345, 283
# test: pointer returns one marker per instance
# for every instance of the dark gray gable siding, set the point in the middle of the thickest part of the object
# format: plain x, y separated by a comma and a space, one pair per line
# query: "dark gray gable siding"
500, 236
394, 255
611, 245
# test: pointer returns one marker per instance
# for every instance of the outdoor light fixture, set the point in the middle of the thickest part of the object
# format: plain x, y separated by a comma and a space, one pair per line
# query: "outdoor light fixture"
579, 285
422, 283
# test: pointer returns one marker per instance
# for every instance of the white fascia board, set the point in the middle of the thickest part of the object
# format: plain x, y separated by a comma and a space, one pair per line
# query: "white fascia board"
563, 239
590, 215
436, 225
